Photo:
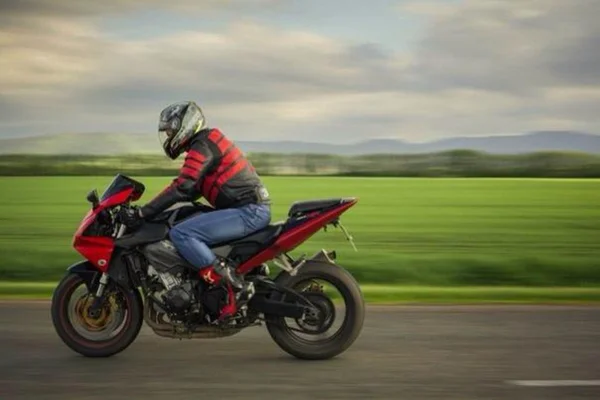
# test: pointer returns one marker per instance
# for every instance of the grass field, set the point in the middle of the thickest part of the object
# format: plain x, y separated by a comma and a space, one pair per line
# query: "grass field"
390, 294
434, 232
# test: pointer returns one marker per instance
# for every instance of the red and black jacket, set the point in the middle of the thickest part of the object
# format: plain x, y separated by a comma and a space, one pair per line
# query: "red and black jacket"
216, 169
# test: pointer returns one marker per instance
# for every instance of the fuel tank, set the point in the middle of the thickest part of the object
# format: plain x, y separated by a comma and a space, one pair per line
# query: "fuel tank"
164, 257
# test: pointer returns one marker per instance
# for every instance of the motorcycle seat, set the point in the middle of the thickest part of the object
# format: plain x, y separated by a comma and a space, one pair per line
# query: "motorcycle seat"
303, 207
264, 236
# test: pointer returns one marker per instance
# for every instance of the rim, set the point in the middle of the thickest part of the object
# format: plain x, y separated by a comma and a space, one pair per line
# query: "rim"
328, 323
109, 323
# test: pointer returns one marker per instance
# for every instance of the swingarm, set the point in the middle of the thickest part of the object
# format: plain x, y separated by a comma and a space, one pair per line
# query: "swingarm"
274, 299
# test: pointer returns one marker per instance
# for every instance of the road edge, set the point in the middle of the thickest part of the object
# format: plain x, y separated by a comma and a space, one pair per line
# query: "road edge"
391, 294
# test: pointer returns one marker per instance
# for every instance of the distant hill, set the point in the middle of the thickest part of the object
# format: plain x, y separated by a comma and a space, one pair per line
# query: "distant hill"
537, 141
113, 143
75, 143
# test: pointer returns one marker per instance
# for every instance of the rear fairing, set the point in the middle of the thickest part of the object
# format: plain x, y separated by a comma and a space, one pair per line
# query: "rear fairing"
296, 232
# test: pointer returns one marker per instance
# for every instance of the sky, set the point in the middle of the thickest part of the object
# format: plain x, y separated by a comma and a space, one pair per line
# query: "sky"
336, 71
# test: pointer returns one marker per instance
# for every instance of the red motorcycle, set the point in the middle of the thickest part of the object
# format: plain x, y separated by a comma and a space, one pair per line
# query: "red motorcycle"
134, 275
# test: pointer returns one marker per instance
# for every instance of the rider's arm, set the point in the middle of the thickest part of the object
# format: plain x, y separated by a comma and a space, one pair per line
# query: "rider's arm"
197, 161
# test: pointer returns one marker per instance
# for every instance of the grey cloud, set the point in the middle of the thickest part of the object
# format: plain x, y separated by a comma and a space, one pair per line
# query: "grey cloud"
481, 68
10, 112
579, 63
247, 64
228, 68
503, 46
71, 8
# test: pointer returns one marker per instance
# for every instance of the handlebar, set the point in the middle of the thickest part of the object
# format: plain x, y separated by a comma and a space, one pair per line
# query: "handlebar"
119, 226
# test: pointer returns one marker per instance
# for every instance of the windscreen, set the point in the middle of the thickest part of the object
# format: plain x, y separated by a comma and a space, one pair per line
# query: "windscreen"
120, 183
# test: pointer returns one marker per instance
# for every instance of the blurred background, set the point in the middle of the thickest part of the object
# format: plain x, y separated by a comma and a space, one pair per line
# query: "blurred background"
468, 129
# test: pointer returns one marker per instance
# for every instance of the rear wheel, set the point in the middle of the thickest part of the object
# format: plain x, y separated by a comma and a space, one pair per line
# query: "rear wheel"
101, 334
315, 336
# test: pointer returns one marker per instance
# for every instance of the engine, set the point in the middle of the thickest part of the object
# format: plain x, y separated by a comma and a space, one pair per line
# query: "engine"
176, 294
166, 265
180, 298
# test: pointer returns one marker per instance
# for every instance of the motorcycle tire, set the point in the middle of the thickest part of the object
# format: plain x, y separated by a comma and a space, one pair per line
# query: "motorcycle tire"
60, 310
351, 327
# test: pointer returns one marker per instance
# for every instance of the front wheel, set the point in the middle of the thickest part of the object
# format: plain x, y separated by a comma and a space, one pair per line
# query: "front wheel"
101, 334
307, 338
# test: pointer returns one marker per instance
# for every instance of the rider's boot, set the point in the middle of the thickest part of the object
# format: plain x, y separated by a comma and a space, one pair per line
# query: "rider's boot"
228, 273
220, 273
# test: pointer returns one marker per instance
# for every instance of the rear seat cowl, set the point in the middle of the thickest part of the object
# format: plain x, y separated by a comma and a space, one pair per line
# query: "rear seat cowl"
301, 207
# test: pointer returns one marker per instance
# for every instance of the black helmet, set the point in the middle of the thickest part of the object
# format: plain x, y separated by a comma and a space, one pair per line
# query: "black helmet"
178, 124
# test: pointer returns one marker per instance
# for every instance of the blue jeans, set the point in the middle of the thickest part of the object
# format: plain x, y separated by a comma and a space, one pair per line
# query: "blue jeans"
193, 236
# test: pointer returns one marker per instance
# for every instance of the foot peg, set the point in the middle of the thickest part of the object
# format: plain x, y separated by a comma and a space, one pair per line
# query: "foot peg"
229, 274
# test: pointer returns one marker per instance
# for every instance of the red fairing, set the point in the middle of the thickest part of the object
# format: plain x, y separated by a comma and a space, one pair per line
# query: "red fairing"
98, 250
296, 236
87, 221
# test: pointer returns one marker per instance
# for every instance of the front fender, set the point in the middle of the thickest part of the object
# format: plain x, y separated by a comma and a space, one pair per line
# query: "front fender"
117, 272
87, 272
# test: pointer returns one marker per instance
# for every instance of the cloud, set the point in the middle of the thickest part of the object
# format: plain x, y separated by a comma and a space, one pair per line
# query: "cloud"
480, 67
246, 73
426, 8
75, 8
501, 46
46, 55
249, 61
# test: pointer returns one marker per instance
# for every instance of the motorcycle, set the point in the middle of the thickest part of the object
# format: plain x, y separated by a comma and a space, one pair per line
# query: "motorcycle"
131, 276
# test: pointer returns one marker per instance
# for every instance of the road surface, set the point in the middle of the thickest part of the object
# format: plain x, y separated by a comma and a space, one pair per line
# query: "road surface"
411, 352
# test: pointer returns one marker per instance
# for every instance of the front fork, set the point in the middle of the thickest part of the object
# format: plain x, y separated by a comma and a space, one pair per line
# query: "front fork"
96, 306
94, 310
102, 285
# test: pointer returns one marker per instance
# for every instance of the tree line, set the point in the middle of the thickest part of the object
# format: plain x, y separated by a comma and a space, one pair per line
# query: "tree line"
456, 163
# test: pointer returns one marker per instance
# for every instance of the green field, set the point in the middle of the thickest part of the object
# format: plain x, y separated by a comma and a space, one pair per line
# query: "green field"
390, 294
434, 232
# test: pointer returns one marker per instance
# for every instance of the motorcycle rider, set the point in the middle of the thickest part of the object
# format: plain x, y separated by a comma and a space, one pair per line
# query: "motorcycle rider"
214, 168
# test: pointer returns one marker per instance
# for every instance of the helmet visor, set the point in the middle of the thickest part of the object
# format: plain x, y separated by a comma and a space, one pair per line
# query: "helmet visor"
163, 137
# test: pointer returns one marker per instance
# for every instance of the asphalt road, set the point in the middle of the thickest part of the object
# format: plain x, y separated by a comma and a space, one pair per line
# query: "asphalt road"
419, 352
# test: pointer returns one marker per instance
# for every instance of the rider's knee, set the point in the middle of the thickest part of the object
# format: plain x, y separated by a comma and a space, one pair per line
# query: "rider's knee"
177, 235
